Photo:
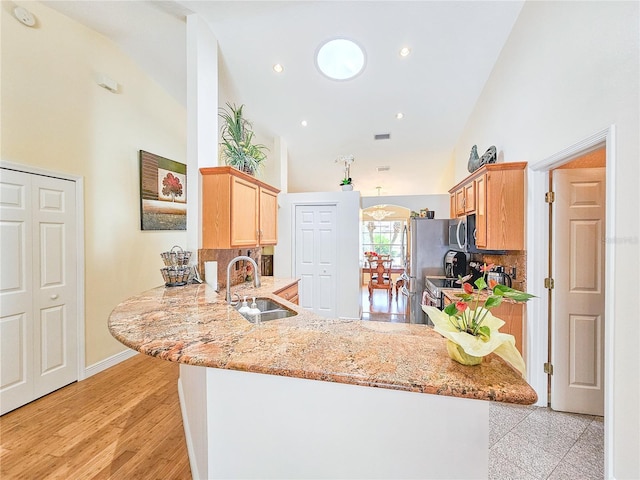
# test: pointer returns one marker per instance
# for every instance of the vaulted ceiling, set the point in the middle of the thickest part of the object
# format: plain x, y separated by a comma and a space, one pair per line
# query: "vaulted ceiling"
454, 46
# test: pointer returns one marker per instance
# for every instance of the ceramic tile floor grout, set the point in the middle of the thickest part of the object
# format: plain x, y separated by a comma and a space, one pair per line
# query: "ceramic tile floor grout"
537, 443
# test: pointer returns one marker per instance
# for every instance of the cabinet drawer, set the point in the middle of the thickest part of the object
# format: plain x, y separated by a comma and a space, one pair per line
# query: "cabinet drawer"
289, 293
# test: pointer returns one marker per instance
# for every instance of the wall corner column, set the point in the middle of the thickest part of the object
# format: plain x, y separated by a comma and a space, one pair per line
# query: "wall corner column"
202, 117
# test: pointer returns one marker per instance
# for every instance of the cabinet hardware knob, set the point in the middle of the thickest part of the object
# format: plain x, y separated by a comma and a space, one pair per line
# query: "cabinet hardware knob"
54, 296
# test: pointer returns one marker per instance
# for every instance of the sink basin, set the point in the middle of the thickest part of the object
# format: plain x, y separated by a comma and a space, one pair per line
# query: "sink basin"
269, 310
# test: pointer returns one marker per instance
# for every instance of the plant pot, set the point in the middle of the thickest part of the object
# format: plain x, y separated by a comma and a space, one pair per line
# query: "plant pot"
459, 355
348, 187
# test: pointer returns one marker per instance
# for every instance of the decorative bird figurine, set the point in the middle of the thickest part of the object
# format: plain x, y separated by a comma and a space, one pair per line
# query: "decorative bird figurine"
474, 160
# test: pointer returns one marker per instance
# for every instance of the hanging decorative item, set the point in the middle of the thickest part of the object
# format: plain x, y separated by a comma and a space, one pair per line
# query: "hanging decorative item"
379, 214
476, 162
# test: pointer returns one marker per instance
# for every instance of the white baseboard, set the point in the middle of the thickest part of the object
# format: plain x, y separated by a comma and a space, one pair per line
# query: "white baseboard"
107, 363
187, 433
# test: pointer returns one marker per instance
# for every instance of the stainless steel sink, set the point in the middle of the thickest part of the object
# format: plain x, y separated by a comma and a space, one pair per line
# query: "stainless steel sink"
269, 310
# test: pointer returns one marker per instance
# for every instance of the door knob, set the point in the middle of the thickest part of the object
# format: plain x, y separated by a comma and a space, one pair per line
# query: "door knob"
54, 296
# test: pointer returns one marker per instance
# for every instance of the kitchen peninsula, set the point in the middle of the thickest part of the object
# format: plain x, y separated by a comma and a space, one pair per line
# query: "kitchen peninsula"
295, 397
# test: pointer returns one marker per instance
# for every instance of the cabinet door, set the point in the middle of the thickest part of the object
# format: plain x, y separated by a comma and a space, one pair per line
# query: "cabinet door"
481, 211
452, 206
512, 314
460, 202
504, 193
244, 213
469, 198
268, 217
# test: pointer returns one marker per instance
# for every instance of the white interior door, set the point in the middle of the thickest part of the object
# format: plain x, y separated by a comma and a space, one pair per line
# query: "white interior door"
315, 257
16, 292
577, 383
38, 318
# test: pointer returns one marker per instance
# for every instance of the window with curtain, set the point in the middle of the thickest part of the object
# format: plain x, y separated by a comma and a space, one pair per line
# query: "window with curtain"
383, 237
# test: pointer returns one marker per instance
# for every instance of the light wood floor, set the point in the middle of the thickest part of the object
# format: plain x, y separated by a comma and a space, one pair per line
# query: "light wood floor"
123, 423
381, 308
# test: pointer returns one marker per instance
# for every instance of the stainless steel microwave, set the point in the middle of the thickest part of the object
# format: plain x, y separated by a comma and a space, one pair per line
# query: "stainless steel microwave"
458, 234
462, 234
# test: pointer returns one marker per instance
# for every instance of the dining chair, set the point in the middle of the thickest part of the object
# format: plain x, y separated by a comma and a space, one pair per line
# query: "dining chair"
380, 276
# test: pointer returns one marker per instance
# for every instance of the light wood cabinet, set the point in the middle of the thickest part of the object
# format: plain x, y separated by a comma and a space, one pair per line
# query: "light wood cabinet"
495, 193
268, 217
238, 210
512, 314
289, 293
459, 202
481, 211
463, 200
469, 198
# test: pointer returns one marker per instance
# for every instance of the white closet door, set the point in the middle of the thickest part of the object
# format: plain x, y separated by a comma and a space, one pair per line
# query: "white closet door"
16, 291
54, 269
38, 317
316, 253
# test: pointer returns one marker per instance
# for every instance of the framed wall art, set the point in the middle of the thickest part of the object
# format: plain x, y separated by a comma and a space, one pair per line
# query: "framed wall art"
163, 193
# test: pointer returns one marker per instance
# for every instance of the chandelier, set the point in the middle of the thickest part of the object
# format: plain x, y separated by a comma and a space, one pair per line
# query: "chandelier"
379, 213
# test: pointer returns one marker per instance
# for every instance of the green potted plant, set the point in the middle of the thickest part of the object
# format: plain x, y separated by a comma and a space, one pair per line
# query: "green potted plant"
238, 149
472, 332
347, 160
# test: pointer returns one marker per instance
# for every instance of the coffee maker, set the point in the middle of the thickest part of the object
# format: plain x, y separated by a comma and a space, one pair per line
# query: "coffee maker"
455, 264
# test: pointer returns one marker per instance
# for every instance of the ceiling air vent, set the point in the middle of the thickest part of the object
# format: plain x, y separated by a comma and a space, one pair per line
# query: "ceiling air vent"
382, 136
386, 168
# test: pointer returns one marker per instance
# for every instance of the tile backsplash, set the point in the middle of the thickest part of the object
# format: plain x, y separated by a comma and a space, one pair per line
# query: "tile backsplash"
239, 272
515, 258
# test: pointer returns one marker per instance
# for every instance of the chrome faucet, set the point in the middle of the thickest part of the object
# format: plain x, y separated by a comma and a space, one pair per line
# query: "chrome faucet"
256, 275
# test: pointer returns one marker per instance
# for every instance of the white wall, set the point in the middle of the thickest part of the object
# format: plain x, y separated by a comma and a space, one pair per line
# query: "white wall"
54, 116
202, 108
438, 203
569, 70
348, 249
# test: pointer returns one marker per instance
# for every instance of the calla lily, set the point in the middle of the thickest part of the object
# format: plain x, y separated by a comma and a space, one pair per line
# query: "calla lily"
502, 344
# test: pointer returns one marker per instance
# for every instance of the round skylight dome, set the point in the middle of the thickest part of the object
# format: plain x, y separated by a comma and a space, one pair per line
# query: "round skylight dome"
340, 59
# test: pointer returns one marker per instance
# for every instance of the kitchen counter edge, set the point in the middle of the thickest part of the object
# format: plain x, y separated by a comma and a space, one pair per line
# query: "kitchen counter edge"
194, 325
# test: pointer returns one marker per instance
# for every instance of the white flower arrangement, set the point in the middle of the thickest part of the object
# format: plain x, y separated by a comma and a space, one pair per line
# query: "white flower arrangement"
347, 160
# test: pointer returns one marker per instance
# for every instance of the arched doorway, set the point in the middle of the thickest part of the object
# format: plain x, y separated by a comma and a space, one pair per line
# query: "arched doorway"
383, 231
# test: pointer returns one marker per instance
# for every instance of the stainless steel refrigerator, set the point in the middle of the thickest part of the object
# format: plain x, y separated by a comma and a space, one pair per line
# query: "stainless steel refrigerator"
428, 245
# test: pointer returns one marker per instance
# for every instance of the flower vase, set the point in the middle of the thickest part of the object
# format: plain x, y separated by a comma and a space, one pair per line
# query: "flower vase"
459, 355
347, 187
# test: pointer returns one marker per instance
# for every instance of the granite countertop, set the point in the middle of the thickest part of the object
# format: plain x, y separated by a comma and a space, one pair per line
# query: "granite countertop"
451, 293
194, 325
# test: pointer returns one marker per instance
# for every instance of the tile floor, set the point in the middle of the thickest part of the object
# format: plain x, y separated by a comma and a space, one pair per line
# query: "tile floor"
526, 442
529, 443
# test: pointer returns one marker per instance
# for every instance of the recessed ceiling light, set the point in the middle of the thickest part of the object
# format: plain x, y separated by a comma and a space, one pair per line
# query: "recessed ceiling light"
340, 59
278, 68
399, 115
304, 123
404, 51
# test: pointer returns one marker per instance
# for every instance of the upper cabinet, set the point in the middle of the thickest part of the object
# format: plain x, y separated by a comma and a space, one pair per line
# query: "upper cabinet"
238, 210
463, 200
495, 193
